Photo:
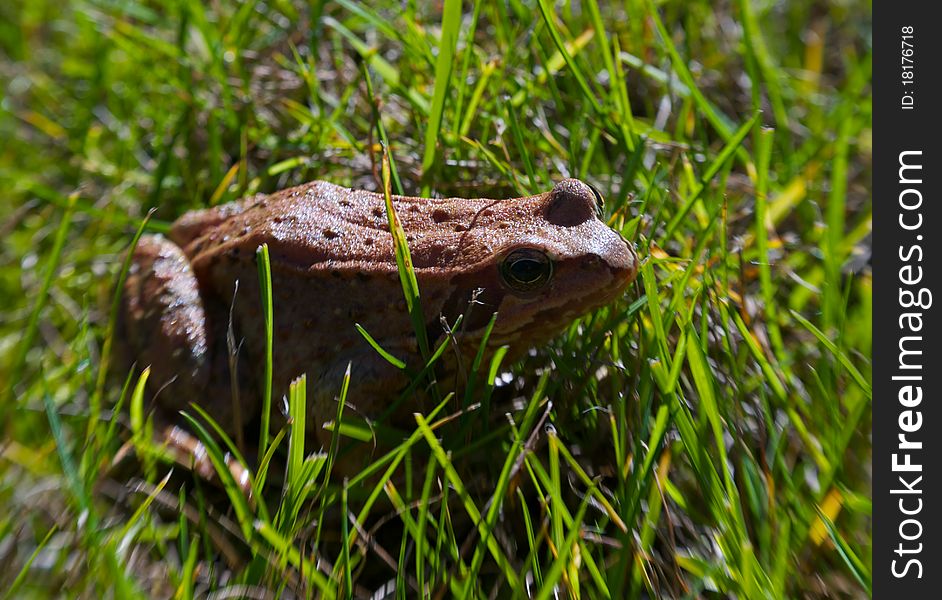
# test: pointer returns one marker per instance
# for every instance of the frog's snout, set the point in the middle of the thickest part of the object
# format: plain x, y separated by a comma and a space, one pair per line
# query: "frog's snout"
621, 260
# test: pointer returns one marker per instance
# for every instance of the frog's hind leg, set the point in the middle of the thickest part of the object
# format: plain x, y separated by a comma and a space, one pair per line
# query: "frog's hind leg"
166, 326
164, 322
188, 451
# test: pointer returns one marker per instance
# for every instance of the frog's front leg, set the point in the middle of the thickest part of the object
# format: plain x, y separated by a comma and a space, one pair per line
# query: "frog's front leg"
165, 322
374, 385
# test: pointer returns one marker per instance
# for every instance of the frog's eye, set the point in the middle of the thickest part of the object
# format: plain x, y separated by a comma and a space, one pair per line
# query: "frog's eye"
526, 269
599, 201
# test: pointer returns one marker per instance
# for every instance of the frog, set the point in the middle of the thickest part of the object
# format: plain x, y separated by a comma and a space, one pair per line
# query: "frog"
491, 273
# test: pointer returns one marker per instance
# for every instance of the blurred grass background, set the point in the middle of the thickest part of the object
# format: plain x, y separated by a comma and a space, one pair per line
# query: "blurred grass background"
721, 429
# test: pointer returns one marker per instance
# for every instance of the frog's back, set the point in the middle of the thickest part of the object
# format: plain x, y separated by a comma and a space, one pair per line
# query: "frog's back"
305, 226
320, 226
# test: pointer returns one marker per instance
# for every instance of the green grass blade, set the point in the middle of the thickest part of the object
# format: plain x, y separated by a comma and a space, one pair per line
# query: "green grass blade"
410, 285
703, 382
380, 128
382, 67
734, 143
834, 233
20, 578
439, 453
240, 505
562, 560
307, 567
854, 564
96, 399
42, 296
549, 19
720, 122
265, 289
764, 140
845, 361
396, 362
451, 22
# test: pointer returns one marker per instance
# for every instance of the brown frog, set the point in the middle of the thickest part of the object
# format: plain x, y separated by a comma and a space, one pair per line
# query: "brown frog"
539, 262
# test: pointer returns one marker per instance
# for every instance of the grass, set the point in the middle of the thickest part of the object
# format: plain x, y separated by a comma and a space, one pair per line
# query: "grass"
705, 436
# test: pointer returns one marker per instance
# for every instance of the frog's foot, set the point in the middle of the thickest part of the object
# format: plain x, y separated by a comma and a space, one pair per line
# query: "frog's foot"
188, 451
164, 320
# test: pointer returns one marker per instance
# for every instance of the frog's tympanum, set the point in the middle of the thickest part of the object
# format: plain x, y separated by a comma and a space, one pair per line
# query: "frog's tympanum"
539, 262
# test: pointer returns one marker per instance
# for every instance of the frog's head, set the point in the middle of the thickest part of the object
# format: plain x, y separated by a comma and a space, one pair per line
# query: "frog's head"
542, 262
